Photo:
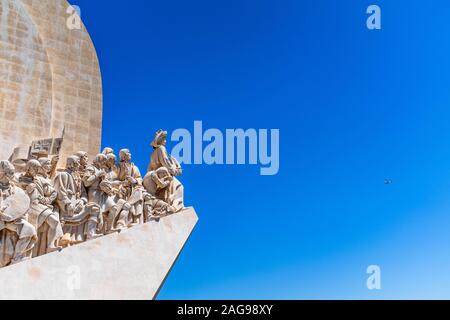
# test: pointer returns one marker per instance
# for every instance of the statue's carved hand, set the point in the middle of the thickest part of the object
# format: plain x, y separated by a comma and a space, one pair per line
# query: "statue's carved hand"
79, 206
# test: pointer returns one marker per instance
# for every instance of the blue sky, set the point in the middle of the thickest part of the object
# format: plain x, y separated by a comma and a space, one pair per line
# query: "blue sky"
354, 107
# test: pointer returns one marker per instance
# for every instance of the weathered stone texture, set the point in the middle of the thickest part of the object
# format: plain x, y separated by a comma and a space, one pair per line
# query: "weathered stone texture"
49, 78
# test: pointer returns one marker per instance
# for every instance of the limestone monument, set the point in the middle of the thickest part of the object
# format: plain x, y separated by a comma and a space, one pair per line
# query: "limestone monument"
73, 219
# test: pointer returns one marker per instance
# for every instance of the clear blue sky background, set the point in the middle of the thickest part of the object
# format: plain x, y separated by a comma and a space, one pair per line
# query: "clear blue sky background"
354, 107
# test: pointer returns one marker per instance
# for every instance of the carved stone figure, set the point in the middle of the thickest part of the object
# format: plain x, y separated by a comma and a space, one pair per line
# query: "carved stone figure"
84, 161
41, 212
111, 168
157, 184
116, 203
48, 168
80, 219
110, 184
131, 182
26, 177
93, 176
172, 193
160, 157
155, 208
17, 235
107, 150
100, 185
51, 167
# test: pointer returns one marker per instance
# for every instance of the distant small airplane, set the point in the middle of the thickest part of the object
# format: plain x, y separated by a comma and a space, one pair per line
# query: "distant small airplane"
387, 181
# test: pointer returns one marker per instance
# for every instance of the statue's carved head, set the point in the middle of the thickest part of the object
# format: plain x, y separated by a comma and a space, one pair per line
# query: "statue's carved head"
46, 165
125, 155
73, 163
100, 160
160, 139
33, 167
111, 160
108, 151
6, 171
83, 156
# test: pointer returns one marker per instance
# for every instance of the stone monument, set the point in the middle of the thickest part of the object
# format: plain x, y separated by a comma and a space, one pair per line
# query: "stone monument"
73, 219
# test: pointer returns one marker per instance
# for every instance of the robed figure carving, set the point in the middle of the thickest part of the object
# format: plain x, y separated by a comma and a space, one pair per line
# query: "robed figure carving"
17, 235
80, 219
41, 213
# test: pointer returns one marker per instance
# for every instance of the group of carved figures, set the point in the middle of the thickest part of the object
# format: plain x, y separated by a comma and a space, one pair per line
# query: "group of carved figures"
43, 210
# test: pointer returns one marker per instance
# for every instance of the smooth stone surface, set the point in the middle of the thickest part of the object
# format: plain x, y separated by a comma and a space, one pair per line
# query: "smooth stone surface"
132, 264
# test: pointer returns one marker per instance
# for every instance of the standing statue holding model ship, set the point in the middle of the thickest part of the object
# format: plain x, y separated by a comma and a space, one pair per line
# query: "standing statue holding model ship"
160, 180
44, 209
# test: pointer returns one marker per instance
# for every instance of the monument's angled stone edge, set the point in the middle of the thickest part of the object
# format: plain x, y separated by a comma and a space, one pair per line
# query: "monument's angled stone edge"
132, 264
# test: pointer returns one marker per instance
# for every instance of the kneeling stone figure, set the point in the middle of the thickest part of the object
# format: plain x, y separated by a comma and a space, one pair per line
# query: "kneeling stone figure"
17, 235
